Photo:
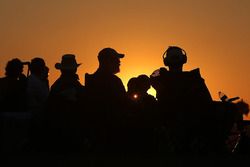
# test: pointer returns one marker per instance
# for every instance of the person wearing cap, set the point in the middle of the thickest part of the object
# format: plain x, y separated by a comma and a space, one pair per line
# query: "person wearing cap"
63, 108
104, 83
107, 95
184, 101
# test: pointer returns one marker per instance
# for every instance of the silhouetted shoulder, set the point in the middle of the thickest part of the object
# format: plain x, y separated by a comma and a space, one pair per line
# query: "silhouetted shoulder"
3, 81
104, 81
150, 99
163, 70
195, 72
88, 79
56, 86
117, 79
2, 86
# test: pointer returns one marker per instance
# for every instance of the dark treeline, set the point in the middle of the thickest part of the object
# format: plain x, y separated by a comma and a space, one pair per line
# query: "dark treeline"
101, 117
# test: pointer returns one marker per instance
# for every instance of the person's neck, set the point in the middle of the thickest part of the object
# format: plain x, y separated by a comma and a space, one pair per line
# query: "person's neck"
104, 70
69, 75
175, 69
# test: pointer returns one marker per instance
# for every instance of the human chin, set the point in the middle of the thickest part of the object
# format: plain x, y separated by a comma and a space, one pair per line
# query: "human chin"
116, 70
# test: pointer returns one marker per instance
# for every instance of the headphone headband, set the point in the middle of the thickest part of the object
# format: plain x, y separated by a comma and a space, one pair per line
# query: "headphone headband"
173, 55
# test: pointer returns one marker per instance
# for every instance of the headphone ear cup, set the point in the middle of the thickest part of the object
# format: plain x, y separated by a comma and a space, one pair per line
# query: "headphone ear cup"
165, 61
184, 58
164, 56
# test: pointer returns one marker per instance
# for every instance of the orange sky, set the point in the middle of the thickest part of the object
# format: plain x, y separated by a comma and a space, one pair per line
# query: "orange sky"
214, 33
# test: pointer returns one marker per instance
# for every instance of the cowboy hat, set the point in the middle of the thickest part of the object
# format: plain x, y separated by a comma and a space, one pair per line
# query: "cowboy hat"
68, 62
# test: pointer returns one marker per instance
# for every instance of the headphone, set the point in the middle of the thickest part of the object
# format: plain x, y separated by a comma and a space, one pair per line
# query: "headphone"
174, 55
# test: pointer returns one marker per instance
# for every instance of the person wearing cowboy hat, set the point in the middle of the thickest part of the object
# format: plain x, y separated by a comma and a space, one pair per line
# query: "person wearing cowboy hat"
63, 105
68, 63
67, 84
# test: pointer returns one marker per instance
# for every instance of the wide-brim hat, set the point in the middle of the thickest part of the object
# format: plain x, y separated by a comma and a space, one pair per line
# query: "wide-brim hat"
68, 63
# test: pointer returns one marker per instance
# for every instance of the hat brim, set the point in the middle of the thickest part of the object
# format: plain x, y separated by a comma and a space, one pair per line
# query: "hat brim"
120, 55
59, 66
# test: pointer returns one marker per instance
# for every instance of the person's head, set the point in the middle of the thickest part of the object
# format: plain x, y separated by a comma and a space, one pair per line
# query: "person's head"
133, 89
109, 60
68, 64
143, 83
132, 85
138, 87
174, 57
37, 67
14, 68
139, 84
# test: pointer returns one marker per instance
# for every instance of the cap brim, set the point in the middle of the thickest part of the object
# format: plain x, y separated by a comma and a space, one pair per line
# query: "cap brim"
120, 55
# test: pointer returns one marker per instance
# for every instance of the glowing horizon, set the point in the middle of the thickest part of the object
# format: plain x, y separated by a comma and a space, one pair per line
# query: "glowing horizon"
215, 34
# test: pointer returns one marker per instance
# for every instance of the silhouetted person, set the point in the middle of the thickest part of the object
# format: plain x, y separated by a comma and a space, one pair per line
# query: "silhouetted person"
104, 83
37, 94
184, 102
137, 91
14, 119
64, 112
138, 96
107, 95
37, 86
141, 119
13, 87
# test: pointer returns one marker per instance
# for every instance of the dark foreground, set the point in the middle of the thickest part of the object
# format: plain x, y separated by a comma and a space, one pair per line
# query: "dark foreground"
75, 160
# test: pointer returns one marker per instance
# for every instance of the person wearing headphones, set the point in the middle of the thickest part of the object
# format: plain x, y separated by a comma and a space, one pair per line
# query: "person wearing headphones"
179, 84
183, 99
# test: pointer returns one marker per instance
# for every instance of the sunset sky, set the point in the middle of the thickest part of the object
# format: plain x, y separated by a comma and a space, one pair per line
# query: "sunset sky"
214, 33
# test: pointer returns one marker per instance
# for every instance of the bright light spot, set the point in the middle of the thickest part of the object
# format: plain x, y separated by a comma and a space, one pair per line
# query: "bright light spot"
135, 96
152, 92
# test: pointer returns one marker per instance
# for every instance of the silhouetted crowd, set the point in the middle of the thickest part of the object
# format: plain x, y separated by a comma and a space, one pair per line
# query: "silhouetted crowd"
101, 117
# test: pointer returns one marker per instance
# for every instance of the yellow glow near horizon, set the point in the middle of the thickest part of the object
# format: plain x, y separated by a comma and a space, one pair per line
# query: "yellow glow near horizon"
215, 35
